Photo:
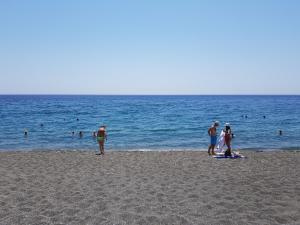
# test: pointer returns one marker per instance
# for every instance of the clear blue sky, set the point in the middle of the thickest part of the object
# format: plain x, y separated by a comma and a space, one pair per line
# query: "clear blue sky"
150, 47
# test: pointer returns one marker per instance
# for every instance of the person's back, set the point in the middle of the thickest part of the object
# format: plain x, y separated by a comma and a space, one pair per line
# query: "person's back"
101, 132
101, 136
228, 140
227, 136
212, 131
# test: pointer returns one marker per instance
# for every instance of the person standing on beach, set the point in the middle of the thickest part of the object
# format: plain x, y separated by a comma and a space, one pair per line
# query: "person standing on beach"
212, 132
228, 137
101, 137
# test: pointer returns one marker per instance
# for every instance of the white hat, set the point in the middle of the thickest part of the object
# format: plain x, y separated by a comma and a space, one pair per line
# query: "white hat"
216, 123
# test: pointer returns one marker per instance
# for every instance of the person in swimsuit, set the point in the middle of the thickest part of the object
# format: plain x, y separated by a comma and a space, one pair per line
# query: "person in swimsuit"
228, 137
101, 137
212, 132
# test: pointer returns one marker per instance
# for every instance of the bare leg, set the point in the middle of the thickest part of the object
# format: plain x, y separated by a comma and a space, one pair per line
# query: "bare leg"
102, 148
229, 148
228, 151
99, 148
213, 150
209, 148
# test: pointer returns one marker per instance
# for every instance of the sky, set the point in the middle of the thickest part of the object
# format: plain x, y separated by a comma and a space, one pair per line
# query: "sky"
150, 47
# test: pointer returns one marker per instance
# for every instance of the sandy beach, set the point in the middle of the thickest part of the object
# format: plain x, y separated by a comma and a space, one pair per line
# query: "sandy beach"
149, 188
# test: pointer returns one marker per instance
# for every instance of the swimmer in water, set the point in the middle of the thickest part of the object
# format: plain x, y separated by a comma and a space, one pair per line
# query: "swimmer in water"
25, 132
80, 134
101, 138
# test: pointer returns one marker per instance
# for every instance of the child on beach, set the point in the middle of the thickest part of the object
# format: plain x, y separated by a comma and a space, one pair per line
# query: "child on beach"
212, 132
101, 137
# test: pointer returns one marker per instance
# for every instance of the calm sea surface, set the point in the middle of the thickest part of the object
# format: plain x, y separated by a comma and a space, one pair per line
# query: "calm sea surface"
147, 122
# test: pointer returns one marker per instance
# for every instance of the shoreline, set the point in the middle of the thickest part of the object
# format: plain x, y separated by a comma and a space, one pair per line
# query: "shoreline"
296, 149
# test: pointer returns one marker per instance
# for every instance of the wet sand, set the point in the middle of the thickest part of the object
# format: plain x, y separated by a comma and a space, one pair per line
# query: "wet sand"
149, 188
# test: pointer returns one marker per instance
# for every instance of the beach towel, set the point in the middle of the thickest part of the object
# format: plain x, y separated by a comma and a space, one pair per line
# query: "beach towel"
234, 155
221, 143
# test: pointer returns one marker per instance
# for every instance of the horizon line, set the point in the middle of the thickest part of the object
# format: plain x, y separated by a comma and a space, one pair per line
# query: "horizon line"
58, 94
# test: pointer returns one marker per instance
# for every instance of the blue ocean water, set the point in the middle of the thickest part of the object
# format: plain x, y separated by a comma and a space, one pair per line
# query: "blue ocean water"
146, 122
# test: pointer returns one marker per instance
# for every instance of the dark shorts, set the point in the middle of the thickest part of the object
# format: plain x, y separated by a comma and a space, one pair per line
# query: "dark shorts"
213, 140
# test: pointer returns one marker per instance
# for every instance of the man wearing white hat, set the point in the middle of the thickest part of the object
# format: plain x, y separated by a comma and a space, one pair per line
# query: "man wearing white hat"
212, 132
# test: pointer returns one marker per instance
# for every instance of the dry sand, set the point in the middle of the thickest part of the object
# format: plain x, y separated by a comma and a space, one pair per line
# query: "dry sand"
149, 188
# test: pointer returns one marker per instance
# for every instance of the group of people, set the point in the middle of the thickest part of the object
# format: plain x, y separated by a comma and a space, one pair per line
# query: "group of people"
100, 135
225, 139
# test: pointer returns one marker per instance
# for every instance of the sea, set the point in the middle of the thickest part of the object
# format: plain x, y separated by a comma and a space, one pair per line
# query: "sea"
147, 123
